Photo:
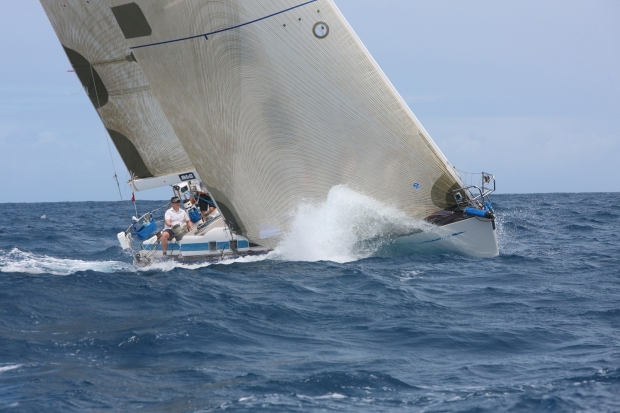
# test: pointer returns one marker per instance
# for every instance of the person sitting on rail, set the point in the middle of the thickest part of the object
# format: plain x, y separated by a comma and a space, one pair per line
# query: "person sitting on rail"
175, 215
205, 202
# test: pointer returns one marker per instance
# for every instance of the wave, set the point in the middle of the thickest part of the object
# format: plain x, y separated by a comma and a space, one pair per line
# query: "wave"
9, 367
348, 226
23, 262
17, 261
358, 388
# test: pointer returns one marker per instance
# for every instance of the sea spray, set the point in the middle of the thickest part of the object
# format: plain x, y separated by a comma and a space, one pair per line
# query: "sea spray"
348, 226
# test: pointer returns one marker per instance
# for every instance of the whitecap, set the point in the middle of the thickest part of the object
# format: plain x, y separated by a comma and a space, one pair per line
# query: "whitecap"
331, 396
9, 367
410, 275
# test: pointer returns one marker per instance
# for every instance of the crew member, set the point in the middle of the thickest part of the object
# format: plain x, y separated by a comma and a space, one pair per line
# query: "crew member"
205, 202
173, 216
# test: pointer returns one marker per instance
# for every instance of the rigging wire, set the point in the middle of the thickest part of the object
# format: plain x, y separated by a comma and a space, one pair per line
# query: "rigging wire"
76, 93
92, 75
133, 196
469, 176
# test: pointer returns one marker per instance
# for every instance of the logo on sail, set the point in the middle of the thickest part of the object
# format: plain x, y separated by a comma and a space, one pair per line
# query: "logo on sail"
187, 176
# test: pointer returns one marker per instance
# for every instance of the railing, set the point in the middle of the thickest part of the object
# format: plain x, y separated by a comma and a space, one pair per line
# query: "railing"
475, 195
146, 217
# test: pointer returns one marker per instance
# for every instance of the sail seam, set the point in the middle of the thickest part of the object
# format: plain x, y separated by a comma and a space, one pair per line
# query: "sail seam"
206, 35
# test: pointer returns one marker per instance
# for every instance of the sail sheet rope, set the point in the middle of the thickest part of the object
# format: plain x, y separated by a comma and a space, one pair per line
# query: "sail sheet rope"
206, 35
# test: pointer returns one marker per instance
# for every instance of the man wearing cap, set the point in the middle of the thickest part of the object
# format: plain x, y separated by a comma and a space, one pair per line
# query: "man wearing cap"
174, 216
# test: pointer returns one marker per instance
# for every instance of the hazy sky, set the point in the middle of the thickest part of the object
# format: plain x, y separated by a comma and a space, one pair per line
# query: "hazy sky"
526, 89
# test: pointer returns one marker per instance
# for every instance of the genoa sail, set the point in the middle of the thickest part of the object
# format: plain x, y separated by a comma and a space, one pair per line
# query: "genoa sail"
117, 87
278, 101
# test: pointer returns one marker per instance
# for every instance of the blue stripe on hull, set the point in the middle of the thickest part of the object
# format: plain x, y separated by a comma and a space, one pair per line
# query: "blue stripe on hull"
203, 246
439, 239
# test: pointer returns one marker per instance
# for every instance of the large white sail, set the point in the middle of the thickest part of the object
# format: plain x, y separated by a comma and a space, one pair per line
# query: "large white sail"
278, 101
100, 55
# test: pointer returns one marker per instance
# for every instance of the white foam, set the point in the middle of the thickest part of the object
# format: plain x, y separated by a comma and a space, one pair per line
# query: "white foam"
10, 367
335, 396
348, 226
165, 265
410, 275
17, 261
29, 263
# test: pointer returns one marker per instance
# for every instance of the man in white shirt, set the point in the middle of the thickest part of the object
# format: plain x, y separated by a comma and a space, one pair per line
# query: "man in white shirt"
174, 216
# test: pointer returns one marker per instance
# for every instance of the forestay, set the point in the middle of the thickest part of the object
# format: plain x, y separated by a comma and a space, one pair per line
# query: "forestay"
278, 101
117, 87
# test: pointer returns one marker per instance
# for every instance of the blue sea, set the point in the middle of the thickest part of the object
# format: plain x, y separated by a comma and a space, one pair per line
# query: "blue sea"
535, 329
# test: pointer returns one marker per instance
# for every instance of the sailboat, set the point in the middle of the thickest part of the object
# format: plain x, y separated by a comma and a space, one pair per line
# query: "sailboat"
269, 104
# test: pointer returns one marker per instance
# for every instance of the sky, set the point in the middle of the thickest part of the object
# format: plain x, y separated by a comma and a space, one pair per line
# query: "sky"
524, 89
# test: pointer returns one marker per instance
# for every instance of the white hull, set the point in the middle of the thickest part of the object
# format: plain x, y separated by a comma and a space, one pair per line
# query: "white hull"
213, 243
473, 237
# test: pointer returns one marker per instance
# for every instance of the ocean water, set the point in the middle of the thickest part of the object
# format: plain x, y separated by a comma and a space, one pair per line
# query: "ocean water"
342, 324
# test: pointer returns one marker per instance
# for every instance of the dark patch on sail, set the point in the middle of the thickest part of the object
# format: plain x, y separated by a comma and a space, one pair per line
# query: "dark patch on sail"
230, 215
442, 195
89, 77
132, 21
130, 155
